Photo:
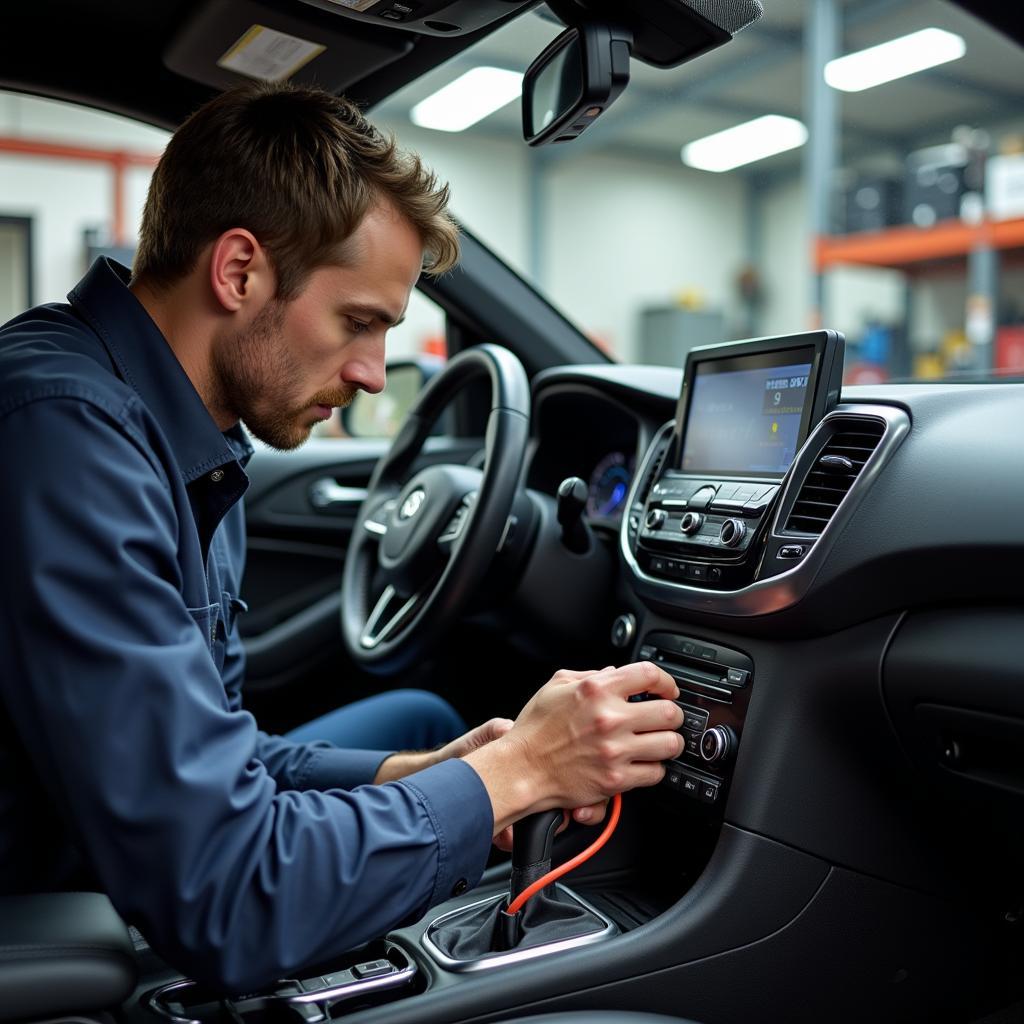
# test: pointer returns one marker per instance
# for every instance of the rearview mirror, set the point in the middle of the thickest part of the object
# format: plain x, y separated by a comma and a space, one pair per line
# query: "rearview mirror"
575, 80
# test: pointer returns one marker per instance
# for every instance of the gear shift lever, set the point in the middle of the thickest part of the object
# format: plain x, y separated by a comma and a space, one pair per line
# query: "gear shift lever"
551, 915
532, 839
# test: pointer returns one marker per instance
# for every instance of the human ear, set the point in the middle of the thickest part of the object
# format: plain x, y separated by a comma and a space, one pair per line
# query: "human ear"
240, 273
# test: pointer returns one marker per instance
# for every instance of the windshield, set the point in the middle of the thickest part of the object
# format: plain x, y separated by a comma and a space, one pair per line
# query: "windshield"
896, 215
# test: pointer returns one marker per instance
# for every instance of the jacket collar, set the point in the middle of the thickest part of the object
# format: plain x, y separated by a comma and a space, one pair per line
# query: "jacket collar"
145, 361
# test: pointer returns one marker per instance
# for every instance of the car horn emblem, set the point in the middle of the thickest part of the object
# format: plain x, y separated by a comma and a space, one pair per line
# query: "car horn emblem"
412, 504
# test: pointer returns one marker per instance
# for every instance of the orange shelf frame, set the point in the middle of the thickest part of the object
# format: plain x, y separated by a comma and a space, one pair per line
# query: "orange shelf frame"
903, 246
118, 160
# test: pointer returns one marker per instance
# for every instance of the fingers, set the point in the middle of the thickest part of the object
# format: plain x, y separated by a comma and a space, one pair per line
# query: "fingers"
493, 729
656, 746
639, 677
592, 815
503, 840
655, 715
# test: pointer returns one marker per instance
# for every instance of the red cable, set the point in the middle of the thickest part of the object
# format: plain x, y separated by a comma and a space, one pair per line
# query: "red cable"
574, 862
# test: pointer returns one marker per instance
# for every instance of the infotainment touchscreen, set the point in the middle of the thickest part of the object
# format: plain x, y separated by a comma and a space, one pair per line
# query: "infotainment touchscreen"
749, 406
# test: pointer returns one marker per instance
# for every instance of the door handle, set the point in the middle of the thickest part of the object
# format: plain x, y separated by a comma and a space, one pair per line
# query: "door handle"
328, 495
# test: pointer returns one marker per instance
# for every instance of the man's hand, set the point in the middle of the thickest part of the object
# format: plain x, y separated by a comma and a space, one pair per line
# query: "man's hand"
397, 766
579, 741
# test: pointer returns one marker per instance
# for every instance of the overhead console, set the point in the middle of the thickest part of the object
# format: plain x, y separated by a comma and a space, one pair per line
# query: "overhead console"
738, 491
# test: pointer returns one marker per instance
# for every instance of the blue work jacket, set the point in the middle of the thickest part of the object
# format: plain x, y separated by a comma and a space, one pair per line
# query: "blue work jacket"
126, 759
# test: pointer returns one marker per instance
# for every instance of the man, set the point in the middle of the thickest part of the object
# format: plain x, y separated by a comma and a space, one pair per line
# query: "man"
281, 238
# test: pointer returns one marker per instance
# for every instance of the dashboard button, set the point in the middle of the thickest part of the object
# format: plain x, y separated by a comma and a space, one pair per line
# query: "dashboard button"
709, 792
791, 551
373, 968
700, 499
339, 978
690, 784
689, 647
714, 574
708, 653
728, 504
737, 677
697, 572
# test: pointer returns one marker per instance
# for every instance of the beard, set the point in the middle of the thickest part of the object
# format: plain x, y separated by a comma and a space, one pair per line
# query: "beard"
253, 372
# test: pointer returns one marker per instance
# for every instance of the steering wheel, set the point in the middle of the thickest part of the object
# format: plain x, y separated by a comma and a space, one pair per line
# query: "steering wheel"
423, 543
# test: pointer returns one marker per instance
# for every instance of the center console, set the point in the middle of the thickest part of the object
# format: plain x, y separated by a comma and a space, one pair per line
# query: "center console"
744, 411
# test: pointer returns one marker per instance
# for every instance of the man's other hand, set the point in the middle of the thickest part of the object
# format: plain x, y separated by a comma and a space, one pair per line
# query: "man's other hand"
397, 766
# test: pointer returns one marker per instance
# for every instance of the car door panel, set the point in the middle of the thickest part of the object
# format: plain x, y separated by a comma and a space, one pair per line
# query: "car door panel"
295, 558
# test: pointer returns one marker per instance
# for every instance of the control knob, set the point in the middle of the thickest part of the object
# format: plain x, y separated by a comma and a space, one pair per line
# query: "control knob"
691, 523
732, 532
717, 744
623, 630
656, 518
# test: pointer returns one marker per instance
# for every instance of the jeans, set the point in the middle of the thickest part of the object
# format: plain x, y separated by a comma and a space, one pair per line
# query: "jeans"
397, 720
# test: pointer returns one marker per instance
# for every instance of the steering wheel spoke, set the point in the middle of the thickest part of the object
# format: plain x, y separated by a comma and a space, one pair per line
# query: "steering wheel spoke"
453, 531
388, 615
376, 523
429, 530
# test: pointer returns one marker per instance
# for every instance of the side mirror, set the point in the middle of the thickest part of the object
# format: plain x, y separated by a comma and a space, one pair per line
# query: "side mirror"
381, 415
575, 80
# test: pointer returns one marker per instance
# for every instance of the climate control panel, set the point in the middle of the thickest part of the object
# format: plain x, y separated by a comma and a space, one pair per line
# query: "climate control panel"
714, 691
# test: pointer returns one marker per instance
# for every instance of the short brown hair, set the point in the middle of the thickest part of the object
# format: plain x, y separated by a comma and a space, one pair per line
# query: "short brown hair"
296, 166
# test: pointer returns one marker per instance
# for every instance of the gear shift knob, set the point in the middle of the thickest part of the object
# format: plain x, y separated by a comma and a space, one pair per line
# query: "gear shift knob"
532, 839
572, 501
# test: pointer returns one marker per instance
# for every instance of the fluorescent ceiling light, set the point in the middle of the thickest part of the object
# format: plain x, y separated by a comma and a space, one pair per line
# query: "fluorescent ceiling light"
470, 98
753, 140
895, 59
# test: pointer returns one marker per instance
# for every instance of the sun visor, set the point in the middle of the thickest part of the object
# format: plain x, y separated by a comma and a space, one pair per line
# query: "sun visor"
427, 17
225, 42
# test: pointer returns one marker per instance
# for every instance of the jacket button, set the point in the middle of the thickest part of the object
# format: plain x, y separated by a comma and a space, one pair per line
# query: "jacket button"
217, 475
460, 887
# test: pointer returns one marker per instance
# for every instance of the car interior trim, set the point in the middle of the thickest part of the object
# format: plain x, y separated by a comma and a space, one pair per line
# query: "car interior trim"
787, 588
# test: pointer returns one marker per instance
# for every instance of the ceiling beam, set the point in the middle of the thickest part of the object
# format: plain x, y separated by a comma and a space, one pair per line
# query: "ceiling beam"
777, 45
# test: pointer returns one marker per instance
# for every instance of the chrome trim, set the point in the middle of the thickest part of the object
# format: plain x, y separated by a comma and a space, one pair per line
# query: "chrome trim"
371, 634
328, 493
375, 526
154, 1003
774, 593
412, 504
354, 988
465, 506
514, 956
338, 994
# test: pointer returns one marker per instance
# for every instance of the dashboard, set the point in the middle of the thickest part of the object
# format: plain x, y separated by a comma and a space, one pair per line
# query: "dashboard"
881, 547
587, 433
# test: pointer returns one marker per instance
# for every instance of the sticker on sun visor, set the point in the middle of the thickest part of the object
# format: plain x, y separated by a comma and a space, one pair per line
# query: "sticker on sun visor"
269, 55
355, 5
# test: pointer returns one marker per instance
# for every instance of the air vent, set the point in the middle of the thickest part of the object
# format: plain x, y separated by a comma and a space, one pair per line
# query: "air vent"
654, 472
836, 467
